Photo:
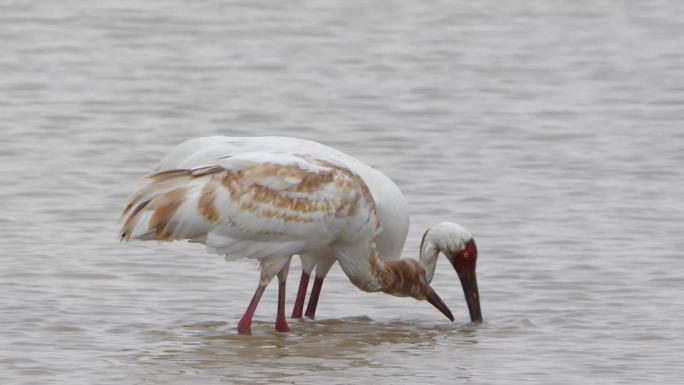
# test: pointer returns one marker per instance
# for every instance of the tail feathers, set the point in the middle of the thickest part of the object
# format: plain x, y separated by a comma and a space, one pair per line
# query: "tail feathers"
166, 208
158, 184
140, 229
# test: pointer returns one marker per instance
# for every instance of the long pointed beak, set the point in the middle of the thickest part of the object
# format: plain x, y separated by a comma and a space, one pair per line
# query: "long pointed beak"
437, 302
472, 296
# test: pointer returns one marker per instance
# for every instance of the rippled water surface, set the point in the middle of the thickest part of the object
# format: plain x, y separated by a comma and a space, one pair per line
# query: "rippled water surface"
554, 130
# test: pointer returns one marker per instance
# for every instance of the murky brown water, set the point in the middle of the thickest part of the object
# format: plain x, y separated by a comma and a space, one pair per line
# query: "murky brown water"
553, 130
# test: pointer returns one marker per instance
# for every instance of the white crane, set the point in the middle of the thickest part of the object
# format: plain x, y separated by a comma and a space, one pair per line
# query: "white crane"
271, 197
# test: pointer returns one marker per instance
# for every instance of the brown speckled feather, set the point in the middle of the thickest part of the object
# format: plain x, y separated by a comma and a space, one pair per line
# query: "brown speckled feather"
271, 198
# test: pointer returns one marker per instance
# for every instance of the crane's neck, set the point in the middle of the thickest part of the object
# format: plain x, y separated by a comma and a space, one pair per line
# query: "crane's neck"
428, 255
403, 277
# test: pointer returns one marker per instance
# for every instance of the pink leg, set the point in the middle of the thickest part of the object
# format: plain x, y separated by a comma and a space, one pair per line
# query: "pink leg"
245, 324
281, 323
301, 296
313, 300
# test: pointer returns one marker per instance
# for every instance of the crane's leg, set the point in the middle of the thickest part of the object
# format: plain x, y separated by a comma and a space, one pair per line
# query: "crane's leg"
322, 268
281, 322
269, 268
313, 299
245, 324
307, 266
298, 308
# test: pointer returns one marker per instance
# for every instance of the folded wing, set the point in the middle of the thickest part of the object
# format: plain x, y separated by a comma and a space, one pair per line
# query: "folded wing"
254, 204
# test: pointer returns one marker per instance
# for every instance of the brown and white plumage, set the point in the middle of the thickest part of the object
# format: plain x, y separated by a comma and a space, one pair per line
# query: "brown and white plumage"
254, 205
270, 198
389, 200
263, 205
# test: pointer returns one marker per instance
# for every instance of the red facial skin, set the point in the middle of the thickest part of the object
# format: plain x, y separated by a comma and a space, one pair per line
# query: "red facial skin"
466, 259
464, 263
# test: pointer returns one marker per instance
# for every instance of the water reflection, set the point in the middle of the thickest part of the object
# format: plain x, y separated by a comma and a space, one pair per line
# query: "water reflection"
310, 347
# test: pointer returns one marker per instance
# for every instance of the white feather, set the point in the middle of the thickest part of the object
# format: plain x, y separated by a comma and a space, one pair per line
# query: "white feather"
250, 225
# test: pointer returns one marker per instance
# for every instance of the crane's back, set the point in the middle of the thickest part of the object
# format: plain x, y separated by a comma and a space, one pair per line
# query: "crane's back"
390, 202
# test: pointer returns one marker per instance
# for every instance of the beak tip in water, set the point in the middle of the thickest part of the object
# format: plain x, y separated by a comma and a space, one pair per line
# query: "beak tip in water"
437, 302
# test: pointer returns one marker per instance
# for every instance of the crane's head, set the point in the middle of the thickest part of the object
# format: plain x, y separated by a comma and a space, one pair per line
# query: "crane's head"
458, 245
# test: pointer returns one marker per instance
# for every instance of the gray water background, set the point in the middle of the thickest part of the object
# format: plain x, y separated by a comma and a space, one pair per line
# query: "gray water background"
554, 130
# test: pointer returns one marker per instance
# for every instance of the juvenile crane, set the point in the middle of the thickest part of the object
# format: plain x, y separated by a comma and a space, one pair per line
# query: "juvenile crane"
270, 198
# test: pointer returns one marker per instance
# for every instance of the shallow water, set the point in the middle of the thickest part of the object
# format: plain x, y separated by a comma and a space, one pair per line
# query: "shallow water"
553, 130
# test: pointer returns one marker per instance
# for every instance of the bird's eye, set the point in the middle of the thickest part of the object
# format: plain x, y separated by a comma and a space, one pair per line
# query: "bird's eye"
466, 255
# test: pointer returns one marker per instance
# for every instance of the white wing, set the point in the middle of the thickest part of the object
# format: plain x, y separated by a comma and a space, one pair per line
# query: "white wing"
254, 205
199, 151
389, 200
